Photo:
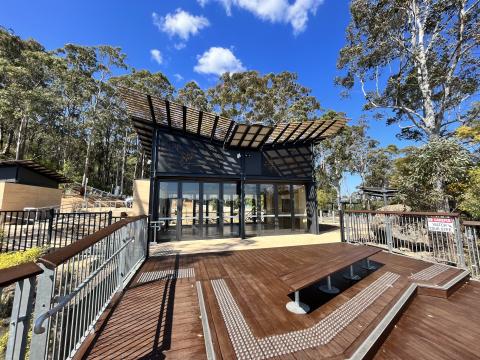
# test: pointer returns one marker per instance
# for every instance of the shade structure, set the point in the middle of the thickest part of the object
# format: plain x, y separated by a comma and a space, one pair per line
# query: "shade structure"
40, 169
147, 112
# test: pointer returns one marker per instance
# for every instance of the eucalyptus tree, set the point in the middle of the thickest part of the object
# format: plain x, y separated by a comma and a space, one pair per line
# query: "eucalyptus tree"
335, 156
380, 166
25, 75
418, 173
417, 59
156, 84
193, 96
269, 99
91, 67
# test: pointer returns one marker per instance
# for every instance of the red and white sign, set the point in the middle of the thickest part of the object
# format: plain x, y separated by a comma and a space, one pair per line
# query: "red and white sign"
445, 225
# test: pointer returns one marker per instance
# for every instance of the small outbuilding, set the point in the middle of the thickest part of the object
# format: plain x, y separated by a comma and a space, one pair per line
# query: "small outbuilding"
26, 184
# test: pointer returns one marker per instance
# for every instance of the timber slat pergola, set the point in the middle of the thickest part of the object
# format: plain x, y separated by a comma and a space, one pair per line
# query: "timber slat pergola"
148, 111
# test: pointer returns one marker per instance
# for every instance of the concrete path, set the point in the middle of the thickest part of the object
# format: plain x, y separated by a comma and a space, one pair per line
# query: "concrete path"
258, 242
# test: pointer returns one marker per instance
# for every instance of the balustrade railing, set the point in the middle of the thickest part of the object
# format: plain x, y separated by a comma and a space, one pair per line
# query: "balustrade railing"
70, 288
21, 230
439, 237
471, 239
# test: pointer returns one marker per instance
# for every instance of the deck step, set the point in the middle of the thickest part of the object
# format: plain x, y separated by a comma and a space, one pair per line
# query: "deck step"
445, 290
371, 344
376, 338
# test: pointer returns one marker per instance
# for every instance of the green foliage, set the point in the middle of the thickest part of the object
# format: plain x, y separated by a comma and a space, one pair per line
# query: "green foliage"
270, 99
326, 197
3, 343
337, 155
418, 60
13, 258
193, 96
424, 174
470, 199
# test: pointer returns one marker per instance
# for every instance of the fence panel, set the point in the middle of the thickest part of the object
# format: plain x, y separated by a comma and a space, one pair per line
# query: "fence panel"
431, 236
70, 288
22, 230
471, 232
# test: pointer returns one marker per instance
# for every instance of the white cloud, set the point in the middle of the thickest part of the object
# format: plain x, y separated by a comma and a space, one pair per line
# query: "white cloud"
276, 11
179, 46
218, 60
180, 23
157, 56
178, 77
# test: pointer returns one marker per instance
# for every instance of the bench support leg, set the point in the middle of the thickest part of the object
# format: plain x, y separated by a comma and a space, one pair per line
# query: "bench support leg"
329, 289
351, 275
297, 307
369, 266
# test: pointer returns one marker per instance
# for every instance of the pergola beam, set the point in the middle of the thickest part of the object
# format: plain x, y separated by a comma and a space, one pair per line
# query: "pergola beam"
214, 128
293, 132
281, 133
200, 118
255, 136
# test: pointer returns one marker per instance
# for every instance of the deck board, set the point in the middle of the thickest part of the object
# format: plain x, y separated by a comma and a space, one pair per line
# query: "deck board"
161, 319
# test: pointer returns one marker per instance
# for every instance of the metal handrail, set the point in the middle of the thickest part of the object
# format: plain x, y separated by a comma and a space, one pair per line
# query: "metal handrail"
38, 325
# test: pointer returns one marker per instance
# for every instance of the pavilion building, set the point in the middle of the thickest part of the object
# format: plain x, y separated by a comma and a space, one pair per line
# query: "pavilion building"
212, 177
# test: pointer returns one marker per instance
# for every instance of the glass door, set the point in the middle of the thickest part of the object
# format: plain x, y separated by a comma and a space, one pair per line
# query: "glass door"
252, 219
267, 208
231, 210
284, 207
300, 206
165, 227
211, 210
190, 211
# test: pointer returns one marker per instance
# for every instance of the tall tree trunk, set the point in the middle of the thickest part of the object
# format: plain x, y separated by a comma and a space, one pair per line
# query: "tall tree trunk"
8, 144
442, 205
339, 196
19, 153
122, 178
87, 163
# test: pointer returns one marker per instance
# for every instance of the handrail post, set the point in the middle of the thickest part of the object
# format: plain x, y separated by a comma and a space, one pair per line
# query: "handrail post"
43, 301
50, 226
388, 232
342, 222
20, 318
459, 243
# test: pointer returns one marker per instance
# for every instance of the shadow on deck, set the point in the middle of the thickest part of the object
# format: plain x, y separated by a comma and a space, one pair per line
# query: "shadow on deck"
159, 314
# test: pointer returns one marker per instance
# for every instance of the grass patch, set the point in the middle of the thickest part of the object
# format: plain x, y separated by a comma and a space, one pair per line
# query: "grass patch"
20, 257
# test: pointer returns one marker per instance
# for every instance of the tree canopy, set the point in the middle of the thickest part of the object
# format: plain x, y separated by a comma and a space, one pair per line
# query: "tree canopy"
416, 58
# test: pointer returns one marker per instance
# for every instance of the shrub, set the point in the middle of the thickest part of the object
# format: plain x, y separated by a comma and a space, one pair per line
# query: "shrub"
3, 343
20, 257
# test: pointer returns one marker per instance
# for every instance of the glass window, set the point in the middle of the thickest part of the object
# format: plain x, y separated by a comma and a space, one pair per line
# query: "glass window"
251, 210
231, 210
300, 207
267, 207
284, 207
165, 228
211, 210
190, 211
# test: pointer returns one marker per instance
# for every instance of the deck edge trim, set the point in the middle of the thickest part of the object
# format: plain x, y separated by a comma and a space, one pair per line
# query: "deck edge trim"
207, 336
363, 350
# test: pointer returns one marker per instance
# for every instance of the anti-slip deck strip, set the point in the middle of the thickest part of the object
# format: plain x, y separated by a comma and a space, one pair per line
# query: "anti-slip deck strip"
429, 273
247, 346
166, 275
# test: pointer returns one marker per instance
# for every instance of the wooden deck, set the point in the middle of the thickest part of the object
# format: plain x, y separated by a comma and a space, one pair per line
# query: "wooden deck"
159, 314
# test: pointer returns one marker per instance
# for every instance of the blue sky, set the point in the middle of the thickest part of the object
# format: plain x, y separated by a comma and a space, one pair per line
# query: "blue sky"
302, 36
